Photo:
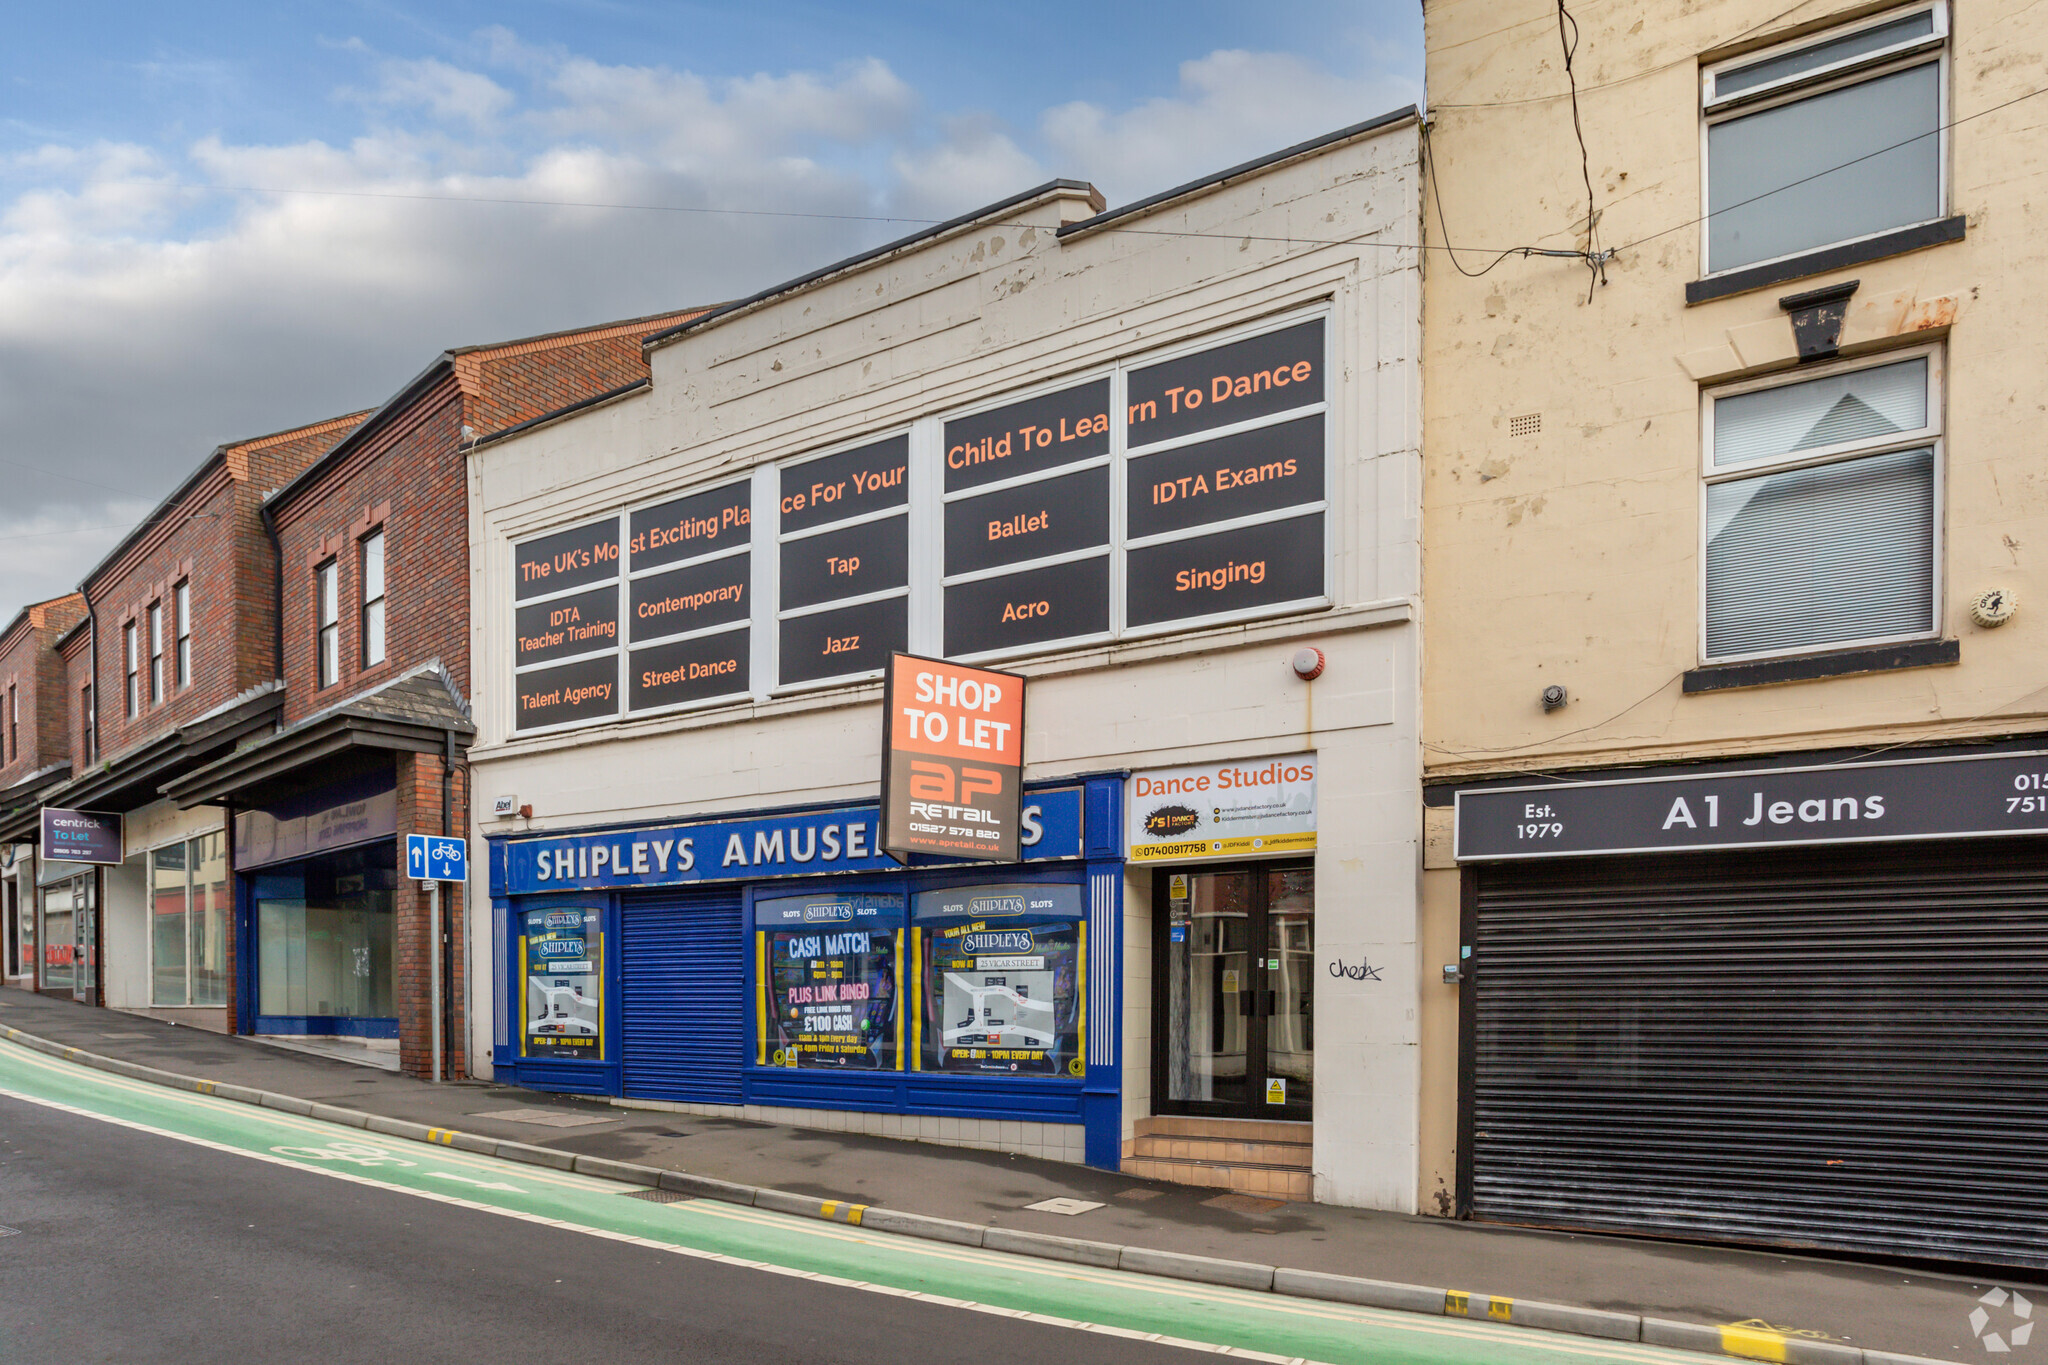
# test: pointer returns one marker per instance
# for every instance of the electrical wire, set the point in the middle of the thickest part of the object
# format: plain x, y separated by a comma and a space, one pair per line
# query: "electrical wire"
1596, 263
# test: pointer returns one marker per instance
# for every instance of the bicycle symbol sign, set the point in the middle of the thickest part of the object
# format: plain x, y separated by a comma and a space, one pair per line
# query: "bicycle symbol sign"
429, 858
356, 1153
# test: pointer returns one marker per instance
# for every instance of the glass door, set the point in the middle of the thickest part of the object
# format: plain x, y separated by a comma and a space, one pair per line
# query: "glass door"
1234, 997
85, 953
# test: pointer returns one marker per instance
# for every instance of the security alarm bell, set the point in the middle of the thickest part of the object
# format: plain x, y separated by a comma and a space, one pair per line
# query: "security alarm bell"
1452, 975
1993, 608
1308, 663
1553, 697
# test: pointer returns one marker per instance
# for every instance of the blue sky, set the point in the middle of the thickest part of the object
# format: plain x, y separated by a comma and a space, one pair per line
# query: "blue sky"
176, 269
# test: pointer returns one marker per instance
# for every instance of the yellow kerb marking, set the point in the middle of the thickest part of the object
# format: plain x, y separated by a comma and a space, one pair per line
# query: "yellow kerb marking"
1747, 1341
1457, 1303
1504, 1309
205, 1087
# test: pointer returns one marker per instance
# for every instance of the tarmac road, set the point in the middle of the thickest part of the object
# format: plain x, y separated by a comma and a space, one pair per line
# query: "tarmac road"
153, 1225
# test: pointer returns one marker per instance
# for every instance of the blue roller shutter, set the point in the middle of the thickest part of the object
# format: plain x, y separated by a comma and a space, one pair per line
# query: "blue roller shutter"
683, 985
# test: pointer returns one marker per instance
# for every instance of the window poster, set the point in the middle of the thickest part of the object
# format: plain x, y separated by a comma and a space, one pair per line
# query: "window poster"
1003, 980
561, 955
828, 967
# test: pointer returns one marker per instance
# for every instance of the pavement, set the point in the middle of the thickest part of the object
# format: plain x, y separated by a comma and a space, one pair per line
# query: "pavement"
1914, 1310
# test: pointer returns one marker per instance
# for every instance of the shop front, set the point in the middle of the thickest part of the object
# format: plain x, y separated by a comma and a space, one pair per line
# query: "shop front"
779, 965
1796, 1004
67, 929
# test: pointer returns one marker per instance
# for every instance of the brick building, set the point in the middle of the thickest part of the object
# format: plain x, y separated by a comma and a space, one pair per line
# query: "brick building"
35, 757
168, 667
373, 672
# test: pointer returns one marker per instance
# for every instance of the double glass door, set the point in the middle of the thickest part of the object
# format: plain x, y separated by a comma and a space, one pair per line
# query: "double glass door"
70, 938
1234, 1001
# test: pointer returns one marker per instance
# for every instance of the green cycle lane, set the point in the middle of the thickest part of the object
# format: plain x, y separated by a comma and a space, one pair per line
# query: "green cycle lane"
1208, 1317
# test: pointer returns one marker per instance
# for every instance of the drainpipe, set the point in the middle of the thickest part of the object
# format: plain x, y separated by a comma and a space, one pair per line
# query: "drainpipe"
92, 749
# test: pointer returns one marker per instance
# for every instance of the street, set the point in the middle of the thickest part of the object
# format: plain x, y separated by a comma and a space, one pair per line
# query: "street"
152, 1225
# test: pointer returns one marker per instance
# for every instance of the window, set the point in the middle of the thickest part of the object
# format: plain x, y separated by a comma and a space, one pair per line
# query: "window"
330, 623
156, 653
189, 903
182, 598
1820, 510
13, 745
1828, 139
88, 722
133, 665
373, 598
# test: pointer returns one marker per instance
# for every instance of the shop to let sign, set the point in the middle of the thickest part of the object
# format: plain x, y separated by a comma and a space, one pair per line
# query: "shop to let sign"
82, 836
1253, 806
952, 760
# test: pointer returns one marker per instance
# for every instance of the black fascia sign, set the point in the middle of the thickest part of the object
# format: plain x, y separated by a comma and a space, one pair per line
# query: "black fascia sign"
567, 626
851, 561
696, 669
1056, 602
692, 527
1047, 517
1252, 566
1241, 475
1842, 803
1023, 438
1256, 377
566, 559
856, 639
578, 691
694, 597
849, 484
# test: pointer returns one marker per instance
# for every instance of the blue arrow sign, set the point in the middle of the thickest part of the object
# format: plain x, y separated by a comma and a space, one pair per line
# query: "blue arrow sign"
436, 858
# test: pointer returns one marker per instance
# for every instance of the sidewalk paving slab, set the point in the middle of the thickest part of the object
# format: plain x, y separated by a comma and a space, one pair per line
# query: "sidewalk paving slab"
1760, 1303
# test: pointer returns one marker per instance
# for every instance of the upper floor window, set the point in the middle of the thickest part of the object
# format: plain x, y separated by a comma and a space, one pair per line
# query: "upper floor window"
132, 656
88, 721
373, 597
329, 593
156, 653
13, 746
1821, 529
181, 599
1827, 139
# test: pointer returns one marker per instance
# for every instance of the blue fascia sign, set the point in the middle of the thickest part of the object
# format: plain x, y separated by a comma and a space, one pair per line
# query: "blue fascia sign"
801, 845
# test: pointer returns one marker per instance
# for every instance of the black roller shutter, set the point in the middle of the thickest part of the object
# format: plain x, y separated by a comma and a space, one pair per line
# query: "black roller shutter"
683, 982
1842, 1048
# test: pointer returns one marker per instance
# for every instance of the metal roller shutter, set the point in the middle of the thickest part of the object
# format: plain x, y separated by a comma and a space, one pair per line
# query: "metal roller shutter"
683, 1012
1842, 1048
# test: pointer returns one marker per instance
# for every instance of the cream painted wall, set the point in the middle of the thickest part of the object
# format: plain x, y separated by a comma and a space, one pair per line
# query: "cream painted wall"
1001, 306
126, 908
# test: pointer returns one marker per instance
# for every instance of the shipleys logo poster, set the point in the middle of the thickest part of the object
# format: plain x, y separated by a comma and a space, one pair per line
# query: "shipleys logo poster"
1261, 805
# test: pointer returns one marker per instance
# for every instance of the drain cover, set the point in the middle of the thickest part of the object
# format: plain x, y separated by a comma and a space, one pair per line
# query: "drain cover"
1069, 1207
658, 1196
546, 1118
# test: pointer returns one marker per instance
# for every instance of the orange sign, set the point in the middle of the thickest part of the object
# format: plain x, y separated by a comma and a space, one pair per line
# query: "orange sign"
952, 760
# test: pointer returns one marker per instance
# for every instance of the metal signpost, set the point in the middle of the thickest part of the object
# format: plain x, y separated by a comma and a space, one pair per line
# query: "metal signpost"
434, 859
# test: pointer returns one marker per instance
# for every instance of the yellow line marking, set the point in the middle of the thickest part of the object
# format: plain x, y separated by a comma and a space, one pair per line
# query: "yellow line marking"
1747, 1341
1457, 1303
1503, 1309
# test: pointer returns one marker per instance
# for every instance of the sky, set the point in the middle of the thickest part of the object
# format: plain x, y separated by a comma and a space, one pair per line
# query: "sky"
222, 220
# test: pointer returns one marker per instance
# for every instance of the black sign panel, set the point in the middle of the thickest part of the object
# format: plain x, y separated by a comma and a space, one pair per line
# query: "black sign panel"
1851, 802
871, 557
696, 597
1253, 566
688, 670
567, 626
1023, 438
688, 528
1235, 476
578, 691
566, 559
1235, 383
1050, 517
1057, 602
849, 484
850, 640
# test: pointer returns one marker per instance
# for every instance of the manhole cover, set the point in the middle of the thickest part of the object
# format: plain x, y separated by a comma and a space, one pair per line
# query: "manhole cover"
1243, 1203
546, 1118
658, 1196
1069, 1207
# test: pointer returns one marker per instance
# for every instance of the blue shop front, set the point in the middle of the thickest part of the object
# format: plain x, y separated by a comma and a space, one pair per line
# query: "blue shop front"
777, 965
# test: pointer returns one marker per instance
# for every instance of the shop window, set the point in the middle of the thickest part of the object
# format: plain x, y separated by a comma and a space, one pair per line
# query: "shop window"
828, 968
372, 579
1002, 980
327, 591
181, 599
1827, 139
132, 655
561, 954
324, 934
190, 902
156, 653
1821, 527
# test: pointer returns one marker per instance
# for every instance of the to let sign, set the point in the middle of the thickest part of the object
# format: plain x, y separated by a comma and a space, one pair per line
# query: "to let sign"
1946, 798
82, 836
952, 760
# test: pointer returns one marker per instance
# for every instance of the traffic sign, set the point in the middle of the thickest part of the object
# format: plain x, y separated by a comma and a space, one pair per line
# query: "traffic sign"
436, 858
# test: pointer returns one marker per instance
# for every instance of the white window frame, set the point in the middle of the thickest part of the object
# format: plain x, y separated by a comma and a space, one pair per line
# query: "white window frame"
181, 602
1715, 108
380, 602
1934, 434
133, 661
156, 653
925, 479
327, 632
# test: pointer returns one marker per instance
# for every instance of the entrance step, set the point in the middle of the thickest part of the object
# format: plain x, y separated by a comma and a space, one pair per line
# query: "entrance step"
1249, 1156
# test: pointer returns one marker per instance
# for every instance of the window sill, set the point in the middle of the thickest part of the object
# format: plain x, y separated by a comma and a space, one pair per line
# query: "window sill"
1764, 672
1894, 243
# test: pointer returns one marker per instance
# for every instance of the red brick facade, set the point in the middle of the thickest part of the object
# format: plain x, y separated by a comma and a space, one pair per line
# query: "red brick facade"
34, 701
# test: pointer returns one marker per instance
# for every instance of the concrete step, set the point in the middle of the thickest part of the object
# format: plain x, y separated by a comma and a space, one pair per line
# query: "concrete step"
1232, 1130
1169, 1147
1270, 1182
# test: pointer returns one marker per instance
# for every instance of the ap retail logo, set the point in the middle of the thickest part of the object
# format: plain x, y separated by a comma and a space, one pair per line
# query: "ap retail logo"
2002, 1320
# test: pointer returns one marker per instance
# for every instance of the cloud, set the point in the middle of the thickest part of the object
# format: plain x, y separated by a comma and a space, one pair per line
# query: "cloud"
447, 92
